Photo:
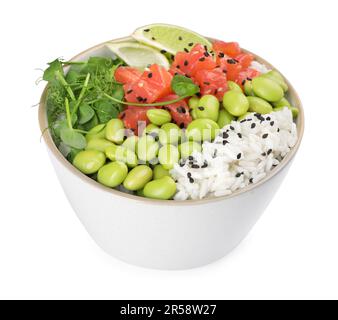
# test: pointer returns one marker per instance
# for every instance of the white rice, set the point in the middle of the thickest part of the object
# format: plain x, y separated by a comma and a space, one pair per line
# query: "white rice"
259, 67
253, 148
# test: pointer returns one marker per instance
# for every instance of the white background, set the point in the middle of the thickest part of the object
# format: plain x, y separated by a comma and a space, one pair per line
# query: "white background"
293, 250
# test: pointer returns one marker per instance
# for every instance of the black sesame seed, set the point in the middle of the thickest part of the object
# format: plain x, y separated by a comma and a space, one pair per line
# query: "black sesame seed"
225, 142
180, 38
202, 59
239, 135
224, 71
186, 50
146, 30
272, 123
182, 125
239, 156
206, 54
190, 44
205, 48
201, 108
225, 135
242, 121
186, 62
278, 130
232, 61
253, 125
189, 174
251, 180
150, 75
129, 91
265, 135
163, 51
205, 164
263, 154
243, 82
139, 99
153, 38
206, 83
269, 151
180, 109
232, 128
191, 180
268, 118
198, 94
190, 158
249, 79
221, 55
195, 166
238, 174
182, 163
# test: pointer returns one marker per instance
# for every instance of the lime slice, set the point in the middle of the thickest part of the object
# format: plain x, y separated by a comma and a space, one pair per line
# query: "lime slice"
137, 55
169, 38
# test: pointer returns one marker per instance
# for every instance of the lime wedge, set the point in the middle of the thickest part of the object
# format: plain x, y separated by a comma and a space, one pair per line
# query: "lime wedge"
137, 55
169, 38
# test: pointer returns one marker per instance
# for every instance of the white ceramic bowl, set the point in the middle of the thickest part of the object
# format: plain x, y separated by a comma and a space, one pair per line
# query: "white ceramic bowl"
165, 234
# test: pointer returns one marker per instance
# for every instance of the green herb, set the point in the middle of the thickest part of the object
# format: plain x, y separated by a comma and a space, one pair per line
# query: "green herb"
86, 113
73, 138
184, 86
50, 72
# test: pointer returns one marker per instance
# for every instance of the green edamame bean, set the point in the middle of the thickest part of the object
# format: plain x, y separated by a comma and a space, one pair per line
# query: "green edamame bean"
127, 156
277, 77
267, 89
244, 116
259, 105
98, 144
208, 108
112, 174
168, 156
147, 148
158, 116
193, 102
193, 114
131, 143
248, 88
170, 133
282, 103
187, 148
138, 177
98, 132
234, 86
224, 118
162, 189
89, 161
152, 129
115, 131
202, 130
159, 172
236, 103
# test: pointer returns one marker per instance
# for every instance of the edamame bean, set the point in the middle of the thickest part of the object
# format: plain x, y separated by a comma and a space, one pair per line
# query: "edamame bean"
168, 156
115, 131
187, 148
236, 103
282, 103
170, 133
127, 156
208, 108
248, 88
202, 130
97, 132
98, 144
147, 148
158, 116
259, 105
131, 143
193, 102
138, 177
224, 118
112, 174
162, 189
89, 161
234, 86
244, 116
159, 172
267, 89
277, 77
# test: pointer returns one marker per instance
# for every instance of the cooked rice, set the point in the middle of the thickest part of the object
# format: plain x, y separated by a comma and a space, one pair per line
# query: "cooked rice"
253, 147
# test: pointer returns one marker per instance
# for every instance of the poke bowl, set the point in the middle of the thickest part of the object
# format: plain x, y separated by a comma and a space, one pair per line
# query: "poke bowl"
169, 146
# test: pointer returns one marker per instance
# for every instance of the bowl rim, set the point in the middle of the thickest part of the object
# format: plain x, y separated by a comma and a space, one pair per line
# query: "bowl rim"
43, 123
